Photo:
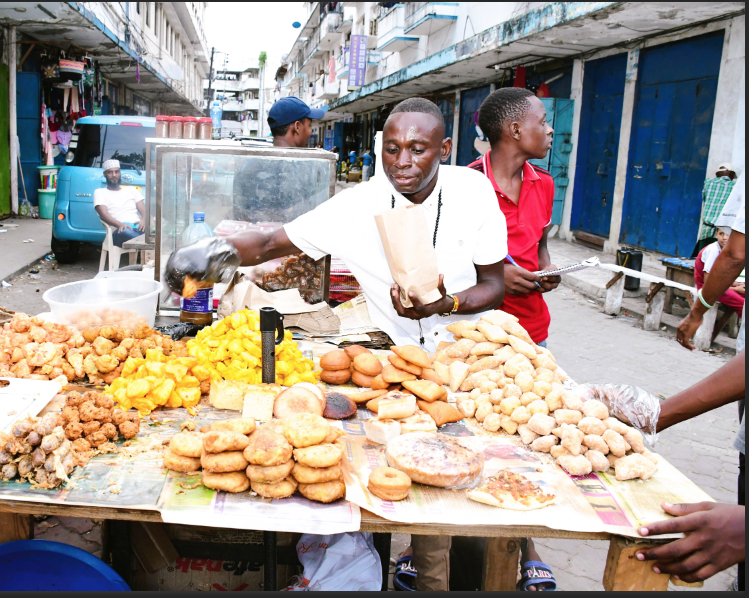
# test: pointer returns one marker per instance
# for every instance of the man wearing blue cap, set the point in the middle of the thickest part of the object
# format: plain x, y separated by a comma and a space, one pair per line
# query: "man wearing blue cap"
290, 122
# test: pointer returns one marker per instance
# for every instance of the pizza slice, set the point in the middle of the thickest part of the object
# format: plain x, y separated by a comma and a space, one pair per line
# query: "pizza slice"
510, 490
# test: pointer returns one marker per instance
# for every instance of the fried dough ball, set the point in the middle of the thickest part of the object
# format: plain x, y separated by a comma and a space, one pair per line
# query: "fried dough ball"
90, 427
267, 448
315, 475
324, 492
90, 334
81, 445
594, 408
74, 430
88, 411
90, 395
179, 463
97, 438
110, 431
223, 462
597, 444
591, 425
186, 445
104, 415
224, 440
73, 399
269, 475
233, 482
306, 429
282, 489
104, 401
321, 455
70, 415
598, 460
616, 443
119, 417
129, 429
575, 465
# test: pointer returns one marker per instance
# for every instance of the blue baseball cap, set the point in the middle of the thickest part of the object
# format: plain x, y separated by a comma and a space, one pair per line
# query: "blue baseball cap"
288, 110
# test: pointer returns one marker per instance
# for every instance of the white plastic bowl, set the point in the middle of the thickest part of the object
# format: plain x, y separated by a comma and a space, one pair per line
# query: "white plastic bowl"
124, 301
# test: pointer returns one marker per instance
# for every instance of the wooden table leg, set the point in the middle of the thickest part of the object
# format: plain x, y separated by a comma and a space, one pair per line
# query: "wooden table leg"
625, 573
16, 527
382, 546
501, 561
668, 304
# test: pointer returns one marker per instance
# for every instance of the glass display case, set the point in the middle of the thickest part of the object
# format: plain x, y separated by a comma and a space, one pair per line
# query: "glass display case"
239, 186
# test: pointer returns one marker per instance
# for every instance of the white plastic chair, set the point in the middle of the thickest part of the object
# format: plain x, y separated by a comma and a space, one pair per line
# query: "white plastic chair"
114, 252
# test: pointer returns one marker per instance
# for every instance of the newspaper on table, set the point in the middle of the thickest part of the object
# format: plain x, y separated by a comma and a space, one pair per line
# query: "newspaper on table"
21, 398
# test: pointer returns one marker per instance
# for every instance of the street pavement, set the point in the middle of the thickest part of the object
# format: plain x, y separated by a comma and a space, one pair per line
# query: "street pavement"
590, 346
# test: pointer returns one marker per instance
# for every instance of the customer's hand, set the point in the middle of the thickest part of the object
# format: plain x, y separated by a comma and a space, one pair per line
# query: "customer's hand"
208, 260
419, 310
519, 281
714, 540
687, 329
549, 283
739, 287
141, 226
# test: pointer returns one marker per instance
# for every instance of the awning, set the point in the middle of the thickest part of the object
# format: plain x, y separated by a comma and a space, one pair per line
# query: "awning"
558, 30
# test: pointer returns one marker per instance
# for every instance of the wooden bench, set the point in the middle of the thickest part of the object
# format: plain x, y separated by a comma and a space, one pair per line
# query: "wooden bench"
679, 270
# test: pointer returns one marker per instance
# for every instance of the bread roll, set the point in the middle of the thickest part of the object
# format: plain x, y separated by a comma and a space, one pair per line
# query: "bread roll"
335, 360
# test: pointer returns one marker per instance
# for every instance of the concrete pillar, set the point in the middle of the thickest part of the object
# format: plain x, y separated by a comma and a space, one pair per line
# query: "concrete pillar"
654, 311
628, 106
703, 338
614, 296
456, 129
578, 70
12, 124
728, 134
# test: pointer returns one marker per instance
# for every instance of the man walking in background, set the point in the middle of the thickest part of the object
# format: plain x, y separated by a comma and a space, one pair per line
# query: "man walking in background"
714, 196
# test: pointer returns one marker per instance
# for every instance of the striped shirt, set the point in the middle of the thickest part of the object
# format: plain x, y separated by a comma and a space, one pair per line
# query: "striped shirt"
714, 196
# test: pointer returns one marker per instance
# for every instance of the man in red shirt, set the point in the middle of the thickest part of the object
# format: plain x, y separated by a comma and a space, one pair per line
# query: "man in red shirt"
514, 120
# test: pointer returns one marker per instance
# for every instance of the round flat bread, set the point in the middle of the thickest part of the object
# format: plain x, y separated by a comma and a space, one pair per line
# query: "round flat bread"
435, 460
296, 400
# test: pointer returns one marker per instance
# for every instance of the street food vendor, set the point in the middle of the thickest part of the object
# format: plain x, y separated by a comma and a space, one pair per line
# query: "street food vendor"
470, 236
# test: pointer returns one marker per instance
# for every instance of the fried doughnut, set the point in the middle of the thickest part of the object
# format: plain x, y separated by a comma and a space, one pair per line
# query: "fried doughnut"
389, 483
335, 434
305, 429
73, 399
234, 481
315, 475
282, 489
90, 427
224, 440
187, 444
179, 463
269, 475
243, 426
267, 448
223, 462
321, 455
324, 491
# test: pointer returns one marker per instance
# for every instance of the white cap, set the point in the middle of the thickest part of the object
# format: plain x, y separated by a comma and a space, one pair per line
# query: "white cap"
110, 164
725, 166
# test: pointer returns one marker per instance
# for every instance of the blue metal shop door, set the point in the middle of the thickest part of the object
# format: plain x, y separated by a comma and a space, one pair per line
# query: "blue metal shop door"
447, 106
29, 122
671, 130
598, 144
470, 102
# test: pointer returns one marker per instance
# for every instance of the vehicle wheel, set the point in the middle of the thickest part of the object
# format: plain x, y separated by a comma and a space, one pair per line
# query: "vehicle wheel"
66, 252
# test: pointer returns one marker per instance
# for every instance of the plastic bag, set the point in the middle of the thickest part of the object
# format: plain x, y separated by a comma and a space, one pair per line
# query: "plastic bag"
631, 404
436, 460
208, 260
339, 562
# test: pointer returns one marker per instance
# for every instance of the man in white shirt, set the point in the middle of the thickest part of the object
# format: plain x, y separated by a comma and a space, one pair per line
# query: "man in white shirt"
470, 238
120, 207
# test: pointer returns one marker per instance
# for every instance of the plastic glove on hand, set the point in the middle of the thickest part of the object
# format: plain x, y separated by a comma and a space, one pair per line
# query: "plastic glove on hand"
207, 260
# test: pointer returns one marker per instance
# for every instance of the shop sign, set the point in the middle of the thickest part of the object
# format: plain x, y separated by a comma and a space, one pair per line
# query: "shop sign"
357, 69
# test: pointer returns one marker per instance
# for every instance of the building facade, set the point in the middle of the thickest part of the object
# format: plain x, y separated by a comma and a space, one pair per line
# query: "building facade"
646, 99
140, 58
238, 91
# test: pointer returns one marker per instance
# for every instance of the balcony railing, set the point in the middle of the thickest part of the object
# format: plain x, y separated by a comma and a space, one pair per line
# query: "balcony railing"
423, 18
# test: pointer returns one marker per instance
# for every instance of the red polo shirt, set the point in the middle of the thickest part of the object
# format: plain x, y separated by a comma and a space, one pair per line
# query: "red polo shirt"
526, 221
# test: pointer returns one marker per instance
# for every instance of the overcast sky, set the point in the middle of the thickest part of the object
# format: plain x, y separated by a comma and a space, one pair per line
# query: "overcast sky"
244, 29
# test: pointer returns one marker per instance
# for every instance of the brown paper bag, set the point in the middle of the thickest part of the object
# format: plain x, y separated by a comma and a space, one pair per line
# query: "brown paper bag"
407, 242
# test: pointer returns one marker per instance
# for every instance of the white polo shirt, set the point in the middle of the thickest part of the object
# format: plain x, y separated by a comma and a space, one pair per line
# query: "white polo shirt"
121, 204
472, 231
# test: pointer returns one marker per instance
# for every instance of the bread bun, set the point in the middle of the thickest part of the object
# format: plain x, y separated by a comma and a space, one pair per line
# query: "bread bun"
368, 364
362, 379
296, 400
335, 377
335, 360
355, 350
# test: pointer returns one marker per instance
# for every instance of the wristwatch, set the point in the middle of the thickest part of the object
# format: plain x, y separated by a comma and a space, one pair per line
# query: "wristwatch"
456, 305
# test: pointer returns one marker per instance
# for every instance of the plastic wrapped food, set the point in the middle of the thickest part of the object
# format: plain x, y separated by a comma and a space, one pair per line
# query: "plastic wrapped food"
209, 260
630, 404
435, 460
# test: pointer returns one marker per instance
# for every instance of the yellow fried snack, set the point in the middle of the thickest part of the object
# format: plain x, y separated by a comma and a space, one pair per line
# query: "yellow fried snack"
306, 429
186, 444
282, 489
234, 481
321, 455
323, 492
223, 462
267, 448
220, 441
269, 475
315, 475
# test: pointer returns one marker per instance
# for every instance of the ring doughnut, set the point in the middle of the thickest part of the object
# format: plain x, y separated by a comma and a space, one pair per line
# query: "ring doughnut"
323, 492
306, 429
271, 474
179, 463
389, 484
315, 475
321, 455
282, 489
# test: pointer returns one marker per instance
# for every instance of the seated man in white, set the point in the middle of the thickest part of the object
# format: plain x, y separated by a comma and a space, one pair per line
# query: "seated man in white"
122, 208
